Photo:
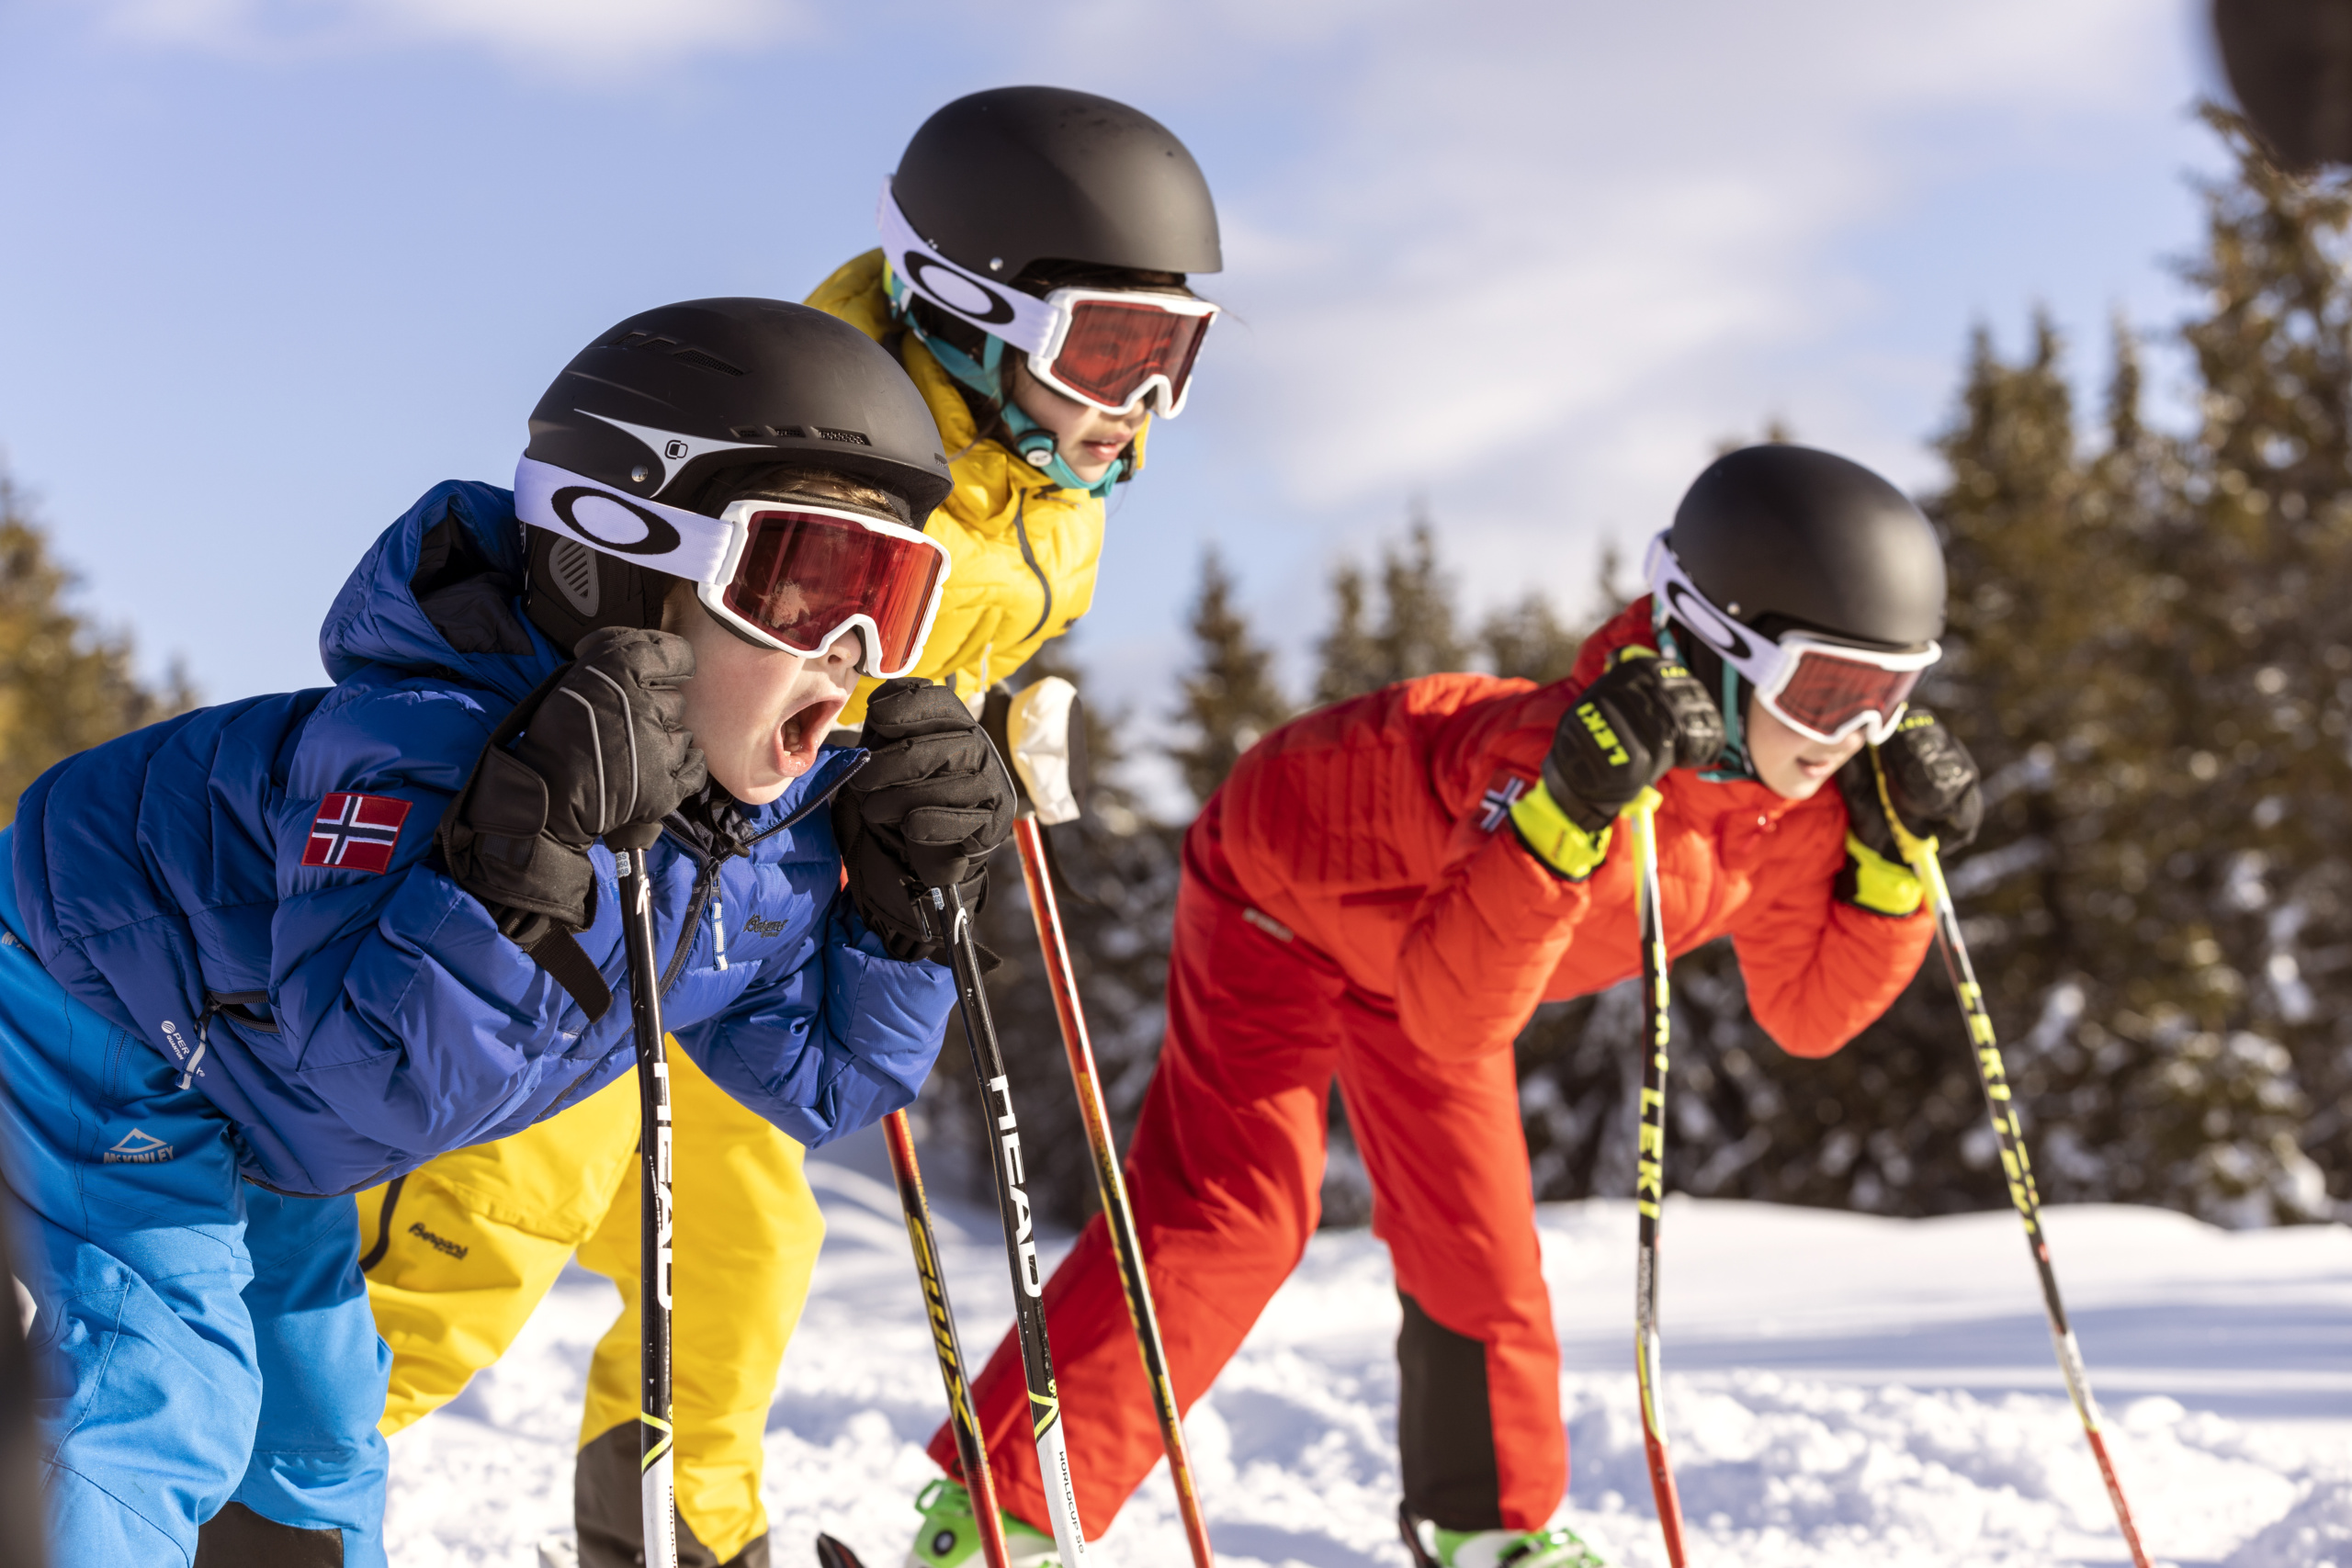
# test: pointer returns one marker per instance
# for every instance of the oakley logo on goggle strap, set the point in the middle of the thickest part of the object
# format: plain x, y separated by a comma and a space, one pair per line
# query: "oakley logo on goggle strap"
957, 291
1685, 604
660, 537
669, 539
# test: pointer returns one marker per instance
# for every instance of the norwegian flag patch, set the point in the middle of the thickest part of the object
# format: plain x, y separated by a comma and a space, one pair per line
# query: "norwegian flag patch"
1500, 796
355, 832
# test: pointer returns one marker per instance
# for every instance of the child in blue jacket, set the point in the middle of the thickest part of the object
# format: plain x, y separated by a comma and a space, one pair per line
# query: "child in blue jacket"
265, 954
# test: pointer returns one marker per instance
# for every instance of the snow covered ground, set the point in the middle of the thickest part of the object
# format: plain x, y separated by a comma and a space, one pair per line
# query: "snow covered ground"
1840, 1390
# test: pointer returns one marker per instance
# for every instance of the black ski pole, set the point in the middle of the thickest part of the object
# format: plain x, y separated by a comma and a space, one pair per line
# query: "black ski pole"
1649, 1183
658, 1481
2001, 1106
946, 908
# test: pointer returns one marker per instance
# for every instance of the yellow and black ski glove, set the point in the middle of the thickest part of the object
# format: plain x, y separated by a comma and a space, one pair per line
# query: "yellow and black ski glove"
1644, 715
1932, 782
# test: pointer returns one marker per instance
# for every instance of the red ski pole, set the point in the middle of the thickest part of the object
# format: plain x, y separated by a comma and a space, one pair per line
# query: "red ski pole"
1119, 1214
1649, 1185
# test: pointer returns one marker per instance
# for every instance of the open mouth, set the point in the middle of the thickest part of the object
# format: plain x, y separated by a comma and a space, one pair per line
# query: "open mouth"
802, 732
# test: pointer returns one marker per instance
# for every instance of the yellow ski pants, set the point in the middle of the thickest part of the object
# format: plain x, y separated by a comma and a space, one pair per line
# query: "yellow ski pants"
458, 1253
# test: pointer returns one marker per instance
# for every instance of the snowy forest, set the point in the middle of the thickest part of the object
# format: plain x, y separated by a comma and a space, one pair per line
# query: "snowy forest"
2150, 653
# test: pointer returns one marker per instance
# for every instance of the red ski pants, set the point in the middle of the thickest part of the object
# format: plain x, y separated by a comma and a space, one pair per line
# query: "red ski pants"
1226, 1174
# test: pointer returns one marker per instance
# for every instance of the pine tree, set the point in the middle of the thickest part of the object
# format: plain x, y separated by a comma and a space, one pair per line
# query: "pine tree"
63, 685
1116, 872
1416, 634
2261, 647
1530, 641
1229, 695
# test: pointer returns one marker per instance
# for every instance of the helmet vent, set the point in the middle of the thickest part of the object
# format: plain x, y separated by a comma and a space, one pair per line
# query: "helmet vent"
573, 567
708, 361
847, 437
643, 340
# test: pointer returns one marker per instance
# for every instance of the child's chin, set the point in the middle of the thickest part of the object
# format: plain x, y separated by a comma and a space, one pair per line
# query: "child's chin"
758, 790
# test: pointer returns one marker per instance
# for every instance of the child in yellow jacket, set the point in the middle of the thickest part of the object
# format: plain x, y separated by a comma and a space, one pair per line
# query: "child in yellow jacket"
1042, 338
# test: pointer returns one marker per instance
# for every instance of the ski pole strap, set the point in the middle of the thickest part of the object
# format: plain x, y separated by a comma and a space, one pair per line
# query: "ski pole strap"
1551, 836
1872, 882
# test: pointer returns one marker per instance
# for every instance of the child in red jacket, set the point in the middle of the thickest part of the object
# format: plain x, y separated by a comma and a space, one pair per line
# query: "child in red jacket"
1385, 890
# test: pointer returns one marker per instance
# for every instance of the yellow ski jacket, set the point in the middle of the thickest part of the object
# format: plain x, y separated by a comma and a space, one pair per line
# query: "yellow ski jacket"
1024, 550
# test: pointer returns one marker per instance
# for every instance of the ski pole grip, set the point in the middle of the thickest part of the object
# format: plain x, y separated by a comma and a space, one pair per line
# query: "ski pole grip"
633, 835
1920, 852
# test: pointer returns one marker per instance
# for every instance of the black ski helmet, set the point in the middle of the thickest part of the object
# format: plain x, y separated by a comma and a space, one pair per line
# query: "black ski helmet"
1787, 539
1011, 175
2290, 62
664, 405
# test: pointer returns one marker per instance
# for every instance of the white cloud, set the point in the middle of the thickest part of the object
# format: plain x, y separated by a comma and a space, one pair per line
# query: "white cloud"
1538, 258
570, 35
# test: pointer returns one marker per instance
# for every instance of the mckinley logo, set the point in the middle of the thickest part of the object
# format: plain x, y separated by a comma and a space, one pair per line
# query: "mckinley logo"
136, 1147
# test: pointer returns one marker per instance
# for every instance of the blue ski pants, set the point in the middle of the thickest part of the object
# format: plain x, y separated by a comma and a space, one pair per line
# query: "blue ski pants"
197, 1340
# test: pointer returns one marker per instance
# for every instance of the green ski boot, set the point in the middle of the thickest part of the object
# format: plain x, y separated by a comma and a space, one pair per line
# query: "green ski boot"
950, 1535
1558, 1547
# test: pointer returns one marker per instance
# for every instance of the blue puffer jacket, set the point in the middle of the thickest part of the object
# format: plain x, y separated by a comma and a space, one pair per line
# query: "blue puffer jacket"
354, 1025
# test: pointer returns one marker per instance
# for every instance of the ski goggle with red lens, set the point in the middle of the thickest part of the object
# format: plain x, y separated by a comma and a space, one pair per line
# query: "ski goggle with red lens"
1110, 347
1822, 689
788, 575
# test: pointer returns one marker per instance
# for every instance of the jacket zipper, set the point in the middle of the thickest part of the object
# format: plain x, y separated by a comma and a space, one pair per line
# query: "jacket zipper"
1020, 528
707, 878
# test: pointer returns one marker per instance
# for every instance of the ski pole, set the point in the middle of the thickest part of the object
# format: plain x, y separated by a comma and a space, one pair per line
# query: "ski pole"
1020, 1228
657, 1494
1649, 1181
2001, 1107
1119, 1214
971, 1451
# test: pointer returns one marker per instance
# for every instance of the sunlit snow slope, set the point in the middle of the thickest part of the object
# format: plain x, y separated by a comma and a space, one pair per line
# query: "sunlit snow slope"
1840, 1390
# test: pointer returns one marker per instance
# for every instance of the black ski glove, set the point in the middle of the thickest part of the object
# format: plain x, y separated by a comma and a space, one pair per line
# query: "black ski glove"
1931, 778
1643, 715
925, 811
604, 754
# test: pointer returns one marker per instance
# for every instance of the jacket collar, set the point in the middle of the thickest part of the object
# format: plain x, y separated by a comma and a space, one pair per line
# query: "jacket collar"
376, 620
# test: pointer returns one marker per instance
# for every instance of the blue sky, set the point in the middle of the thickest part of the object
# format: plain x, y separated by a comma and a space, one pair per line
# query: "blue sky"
270, 267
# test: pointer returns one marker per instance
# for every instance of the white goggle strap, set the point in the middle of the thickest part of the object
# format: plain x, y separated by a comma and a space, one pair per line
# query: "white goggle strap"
1763, 661
993, 305
667, 538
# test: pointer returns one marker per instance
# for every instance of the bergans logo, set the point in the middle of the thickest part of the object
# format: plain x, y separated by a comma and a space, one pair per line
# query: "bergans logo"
438, 1243
759, 927
136, 1147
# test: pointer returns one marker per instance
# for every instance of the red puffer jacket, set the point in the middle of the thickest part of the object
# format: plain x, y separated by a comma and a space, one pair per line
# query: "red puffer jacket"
1377, 831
